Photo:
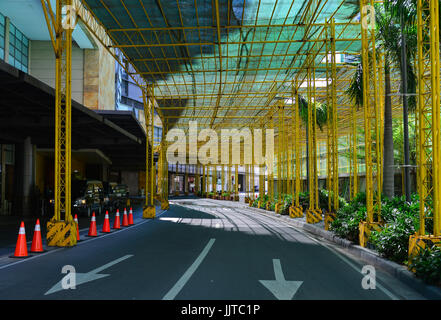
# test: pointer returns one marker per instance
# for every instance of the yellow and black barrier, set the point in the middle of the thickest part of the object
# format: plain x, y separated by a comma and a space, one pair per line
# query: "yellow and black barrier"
277, 208
61, 233
295, 212
329, 218
418, 242
165, 205
365, 229
313, 216
149, 212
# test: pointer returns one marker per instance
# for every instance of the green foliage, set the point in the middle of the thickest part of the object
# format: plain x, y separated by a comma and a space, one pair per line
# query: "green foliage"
401, 221
348, 218
398, 137
324, 198
427, 265
392, 241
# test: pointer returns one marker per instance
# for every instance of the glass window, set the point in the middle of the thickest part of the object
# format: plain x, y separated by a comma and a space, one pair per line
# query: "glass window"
2, 36
18, 49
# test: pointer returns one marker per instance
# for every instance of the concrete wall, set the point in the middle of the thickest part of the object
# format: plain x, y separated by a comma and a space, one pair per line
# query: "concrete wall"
130, 178
99, 79
42, 66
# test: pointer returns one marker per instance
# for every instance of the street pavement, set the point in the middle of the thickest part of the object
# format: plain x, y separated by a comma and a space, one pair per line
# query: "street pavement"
198, 249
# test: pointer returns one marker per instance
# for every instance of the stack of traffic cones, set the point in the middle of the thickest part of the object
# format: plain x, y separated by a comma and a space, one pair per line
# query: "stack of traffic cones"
37, 244
106, 224
21, 249
78, 227
92, 228
116, 224
131, 217
125, 222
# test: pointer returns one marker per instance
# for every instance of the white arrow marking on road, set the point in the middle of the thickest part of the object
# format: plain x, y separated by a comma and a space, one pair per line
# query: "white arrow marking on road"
281, 288
89, 276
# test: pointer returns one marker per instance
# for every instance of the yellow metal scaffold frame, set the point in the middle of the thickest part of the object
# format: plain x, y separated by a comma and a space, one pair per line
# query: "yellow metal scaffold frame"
61, 229
428, 114
371, 109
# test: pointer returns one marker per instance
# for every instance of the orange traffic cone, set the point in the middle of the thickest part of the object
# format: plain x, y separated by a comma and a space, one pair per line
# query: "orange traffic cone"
78, 227
37, 244
106, 224
125, 222
92, 228
21, 249
131, 217
116, 224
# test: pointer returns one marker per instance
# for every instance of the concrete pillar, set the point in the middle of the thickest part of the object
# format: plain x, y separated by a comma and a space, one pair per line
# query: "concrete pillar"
24, 175
3, 180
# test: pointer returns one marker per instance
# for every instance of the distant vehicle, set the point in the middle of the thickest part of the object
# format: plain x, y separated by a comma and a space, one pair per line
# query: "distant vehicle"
87, 197
107, 191
119, 196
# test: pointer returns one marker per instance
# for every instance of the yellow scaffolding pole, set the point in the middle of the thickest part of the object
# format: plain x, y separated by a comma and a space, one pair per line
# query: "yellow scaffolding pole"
428, 114
61, 229
371, 110
296, 211
149, 210
164, 164
313, 213
332, 142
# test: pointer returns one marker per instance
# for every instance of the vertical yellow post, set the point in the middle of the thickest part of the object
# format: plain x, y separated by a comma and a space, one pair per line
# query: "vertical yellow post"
204, 182
214, 179
333, 200
428, 133
164, 164
149, 211
354, 153
61, 229
229, 179
197, 179
313, 214
236, 183
295, 211
223, 180
279, 159
371, 118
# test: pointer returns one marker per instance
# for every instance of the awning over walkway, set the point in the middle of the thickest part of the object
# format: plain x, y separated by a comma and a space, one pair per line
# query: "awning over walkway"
27, 109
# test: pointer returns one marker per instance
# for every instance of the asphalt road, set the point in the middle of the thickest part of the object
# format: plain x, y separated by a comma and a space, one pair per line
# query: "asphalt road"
198, 249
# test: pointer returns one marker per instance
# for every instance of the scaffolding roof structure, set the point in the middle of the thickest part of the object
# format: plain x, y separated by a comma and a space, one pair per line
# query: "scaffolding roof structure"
228, 63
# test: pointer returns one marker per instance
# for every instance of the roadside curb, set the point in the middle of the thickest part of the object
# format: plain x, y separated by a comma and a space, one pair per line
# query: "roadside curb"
369, 256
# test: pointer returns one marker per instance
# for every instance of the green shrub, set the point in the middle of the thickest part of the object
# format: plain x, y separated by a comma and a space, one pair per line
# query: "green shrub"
427, 265
401, 221
348, 218
392, 241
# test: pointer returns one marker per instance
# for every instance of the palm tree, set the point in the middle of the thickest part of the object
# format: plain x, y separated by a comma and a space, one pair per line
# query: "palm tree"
387, 31
321, 119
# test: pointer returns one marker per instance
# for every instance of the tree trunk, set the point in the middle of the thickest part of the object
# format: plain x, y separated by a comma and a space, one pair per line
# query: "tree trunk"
388, 141
307, 158
405, 113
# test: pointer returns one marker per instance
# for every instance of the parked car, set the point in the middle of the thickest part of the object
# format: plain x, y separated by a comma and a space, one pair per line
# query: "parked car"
119, 196
107, 201
87, 197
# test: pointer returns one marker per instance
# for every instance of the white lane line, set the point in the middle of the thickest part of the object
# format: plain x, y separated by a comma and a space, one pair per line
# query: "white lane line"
187, 275
347, 261
78, 243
